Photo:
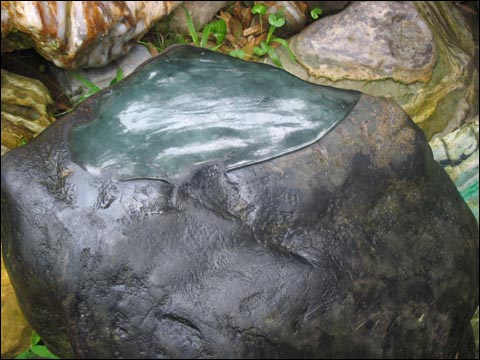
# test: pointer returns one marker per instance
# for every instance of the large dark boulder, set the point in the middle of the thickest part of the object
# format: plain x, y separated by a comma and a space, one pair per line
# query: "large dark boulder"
354, 244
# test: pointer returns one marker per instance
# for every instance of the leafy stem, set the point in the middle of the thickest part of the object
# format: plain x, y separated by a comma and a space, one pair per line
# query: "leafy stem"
191, 26
276, 20
259, 9
216, 28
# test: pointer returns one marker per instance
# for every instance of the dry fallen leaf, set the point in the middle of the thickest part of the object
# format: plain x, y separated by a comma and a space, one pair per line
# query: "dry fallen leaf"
248, 48
256, 29
236, 29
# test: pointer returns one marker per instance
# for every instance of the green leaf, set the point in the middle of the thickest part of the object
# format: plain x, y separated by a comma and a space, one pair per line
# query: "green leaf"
41, 350
273, 55
259, 9
238, 53
262, 50
276, 20
117, 78
315, 13
92, 88
27, 354
84, 97
87, 83
215, 48
218, 28
191, 26
205, 35
35, 339
285, 44
180, 39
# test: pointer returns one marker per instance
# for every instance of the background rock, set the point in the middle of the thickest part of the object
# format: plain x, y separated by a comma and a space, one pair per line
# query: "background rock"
457, 152
16, 332
329, 7
75, 34
436, 82
26, 109
357, 245
201, 13
296, 15
383, 40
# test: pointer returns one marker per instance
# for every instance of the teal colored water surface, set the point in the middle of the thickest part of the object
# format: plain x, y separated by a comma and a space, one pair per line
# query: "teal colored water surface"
192, 105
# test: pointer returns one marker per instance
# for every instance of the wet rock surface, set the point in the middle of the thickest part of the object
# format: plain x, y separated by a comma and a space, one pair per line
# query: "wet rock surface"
234, 121
356, 245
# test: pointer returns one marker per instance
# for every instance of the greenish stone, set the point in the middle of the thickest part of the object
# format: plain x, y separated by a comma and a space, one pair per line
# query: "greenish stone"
457, 152
470, 195
192, 105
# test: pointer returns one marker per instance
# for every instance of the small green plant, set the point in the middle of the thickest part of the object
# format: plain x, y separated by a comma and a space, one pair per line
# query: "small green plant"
91, 87
161, 41
260, 10
117, 77
217, 28
276, 20
315, 13
239, 53
36, 349
191, 27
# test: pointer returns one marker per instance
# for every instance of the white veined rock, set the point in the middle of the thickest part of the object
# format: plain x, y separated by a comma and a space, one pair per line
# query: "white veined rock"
79, 34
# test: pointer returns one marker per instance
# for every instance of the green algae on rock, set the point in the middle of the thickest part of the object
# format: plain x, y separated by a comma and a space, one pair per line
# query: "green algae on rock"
191, 105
